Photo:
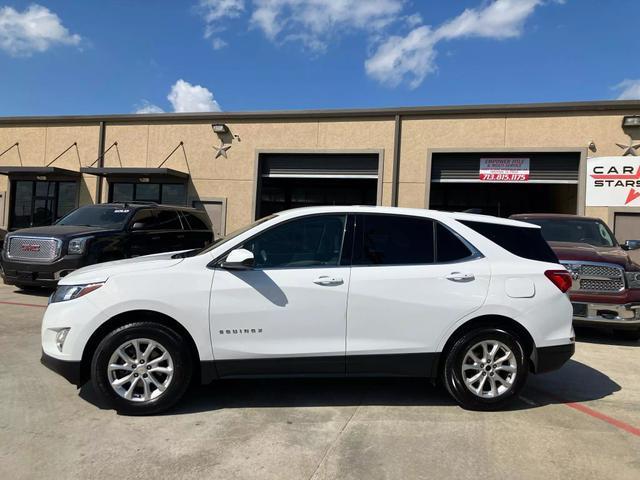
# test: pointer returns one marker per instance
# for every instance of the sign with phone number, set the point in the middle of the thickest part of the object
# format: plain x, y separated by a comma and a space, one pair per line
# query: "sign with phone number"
504, 169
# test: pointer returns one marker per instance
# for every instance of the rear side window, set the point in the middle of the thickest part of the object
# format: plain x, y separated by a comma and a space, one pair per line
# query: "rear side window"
393, 240
449, 248
521, 241
194, 221
168, 220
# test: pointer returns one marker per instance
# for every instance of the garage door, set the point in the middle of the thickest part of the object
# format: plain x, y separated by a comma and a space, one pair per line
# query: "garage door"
304, 180
319, 166
544, 167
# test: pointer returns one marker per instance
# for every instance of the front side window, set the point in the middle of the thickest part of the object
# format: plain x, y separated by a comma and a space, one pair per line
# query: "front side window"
306, 242
144, 220
393, 240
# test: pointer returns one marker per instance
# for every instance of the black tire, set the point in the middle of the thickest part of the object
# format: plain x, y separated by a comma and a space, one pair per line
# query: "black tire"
452, 375
169, 340
631, 335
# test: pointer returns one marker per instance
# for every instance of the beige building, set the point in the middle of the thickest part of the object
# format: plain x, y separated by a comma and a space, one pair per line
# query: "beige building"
240, 166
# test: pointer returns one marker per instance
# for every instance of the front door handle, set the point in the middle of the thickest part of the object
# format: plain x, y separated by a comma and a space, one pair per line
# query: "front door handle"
460, 277
326, 280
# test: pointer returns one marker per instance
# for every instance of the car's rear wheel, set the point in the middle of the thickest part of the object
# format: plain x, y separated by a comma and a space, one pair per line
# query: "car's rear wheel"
141, 368
485, 369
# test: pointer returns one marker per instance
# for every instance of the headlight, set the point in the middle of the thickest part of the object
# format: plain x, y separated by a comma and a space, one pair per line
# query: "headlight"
69, 292
77, 246
61, 336
633, 279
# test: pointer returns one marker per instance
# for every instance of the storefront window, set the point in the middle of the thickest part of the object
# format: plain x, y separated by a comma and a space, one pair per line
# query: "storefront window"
166, 193
37, 203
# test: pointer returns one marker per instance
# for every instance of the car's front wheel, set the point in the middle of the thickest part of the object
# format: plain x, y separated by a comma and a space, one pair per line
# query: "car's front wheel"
141, 368
485, 369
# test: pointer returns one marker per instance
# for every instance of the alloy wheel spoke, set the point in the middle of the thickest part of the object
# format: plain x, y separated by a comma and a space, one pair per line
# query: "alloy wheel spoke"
475, 378
505, 368
120, 366
471, 367
129, 394
493, 352
481, 385
504, 358
148, 350
165, 370
121, 381
159, 385
136, 346
494, 389
125, 356
161, 358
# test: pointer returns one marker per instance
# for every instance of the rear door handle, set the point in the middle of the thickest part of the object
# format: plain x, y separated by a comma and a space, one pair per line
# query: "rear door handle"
326, 280
460, 277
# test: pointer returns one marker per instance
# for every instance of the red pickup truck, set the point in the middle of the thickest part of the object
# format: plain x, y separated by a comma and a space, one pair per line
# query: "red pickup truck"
606, 282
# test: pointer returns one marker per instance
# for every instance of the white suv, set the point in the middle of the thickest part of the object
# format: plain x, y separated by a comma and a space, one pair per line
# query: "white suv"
474, 300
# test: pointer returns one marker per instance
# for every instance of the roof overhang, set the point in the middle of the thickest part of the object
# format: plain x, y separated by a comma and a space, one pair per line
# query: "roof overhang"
127, 172
38, 171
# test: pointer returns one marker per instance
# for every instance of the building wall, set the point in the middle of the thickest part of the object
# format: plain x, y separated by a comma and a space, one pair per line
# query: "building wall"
149, 145
233, 177
37, 146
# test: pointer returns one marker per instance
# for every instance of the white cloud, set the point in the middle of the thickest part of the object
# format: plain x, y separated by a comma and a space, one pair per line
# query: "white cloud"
185, 97
629, 89
215, 13
147, 107
313, 22
218, 43
412, 58
33, 30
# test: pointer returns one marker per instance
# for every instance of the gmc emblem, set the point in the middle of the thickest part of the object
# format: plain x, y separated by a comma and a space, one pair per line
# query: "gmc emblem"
30, 247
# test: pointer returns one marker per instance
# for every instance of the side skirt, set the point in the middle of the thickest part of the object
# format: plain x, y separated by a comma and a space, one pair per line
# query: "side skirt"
422, 365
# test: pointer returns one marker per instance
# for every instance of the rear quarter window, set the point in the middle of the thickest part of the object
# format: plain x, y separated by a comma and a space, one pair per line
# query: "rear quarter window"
524, 242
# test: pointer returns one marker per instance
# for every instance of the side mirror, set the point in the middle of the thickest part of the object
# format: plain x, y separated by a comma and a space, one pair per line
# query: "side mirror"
137, 226
239, 259
631, 245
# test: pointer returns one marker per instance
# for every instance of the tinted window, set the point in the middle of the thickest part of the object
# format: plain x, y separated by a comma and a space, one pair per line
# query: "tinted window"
393, 240
173, 194
592, 232
97, 216
121, 192
168, 220
194, 221
449, 248
145, 218
521, 241
307, 242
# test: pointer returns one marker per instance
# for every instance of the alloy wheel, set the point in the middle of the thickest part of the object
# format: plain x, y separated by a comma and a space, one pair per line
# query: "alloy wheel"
140, 370
489, 369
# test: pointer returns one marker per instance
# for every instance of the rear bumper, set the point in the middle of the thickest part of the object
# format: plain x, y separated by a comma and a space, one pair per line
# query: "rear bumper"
40, 274
70, 370
623, 316
552, 358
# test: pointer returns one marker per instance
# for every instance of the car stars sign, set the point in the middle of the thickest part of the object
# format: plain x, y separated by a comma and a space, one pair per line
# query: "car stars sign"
613, 182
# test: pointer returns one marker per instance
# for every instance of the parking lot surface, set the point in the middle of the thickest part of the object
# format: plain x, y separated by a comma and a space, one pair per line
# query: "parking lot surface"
582, 421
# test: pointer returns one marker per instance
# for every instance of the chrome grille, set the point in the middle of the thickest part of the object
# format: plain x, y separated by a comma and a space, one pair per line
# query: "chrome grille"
34, 249
601, 285
596, 277
600, 271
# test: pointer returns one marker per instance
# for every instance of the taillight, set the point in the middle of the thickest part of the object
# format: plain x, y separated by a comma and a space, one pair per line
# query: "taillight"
560, 278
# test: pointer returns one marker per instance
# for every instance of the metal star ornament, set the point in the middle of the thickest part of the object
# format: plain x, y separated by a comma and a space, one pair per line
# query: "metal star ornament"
629, 150
221, 151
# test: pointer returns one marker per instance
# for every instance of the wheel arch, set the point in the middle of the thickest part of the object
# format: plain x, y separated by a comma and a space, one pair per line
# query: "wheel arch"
124, 318
500, 322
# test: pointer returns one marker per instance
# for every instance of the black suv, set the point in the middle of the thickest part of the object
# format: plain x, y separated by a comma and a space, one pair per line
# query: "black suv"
40, 256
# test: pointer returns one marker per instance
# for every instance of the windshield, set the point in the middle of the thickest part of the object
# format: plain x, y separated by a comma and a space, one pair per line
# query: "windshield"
592, 232
232, 235
97, 216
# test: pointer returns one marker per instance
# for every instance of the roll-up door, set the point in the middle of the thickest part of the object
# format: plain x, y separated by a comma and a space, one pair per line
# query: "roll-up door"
319, 165
543, 167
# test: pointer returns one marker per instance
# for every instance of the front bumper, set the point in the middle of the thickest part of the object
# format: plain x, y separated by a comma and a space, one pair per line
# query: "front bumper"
624, 316
548, 359
71, 370
40, 274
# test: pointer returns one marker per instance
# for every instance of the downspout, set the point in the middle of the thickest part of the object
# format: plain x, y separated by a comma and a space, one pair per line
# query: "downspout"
101, 139
395, 177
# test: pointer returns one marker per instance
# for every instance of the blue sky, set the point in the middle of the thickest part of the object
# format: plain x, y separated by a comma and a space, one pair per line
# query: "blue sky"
93, 57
